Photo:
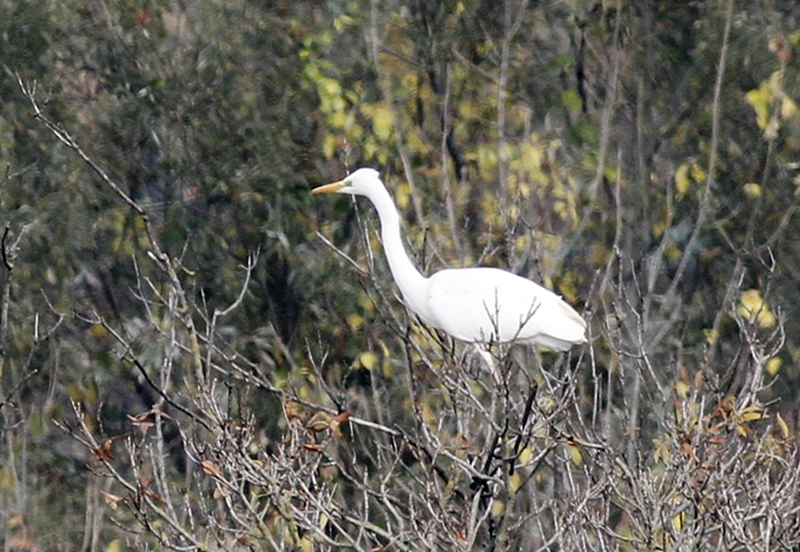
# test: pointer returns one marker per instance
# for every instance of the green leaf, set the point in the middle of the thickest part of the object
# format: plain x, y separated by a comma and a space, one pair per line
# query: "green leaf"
572, 100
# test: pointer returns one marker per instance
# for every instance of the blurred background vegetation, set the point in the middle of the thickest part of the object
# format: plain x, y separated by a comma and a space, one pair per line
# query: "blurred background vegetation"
640, 158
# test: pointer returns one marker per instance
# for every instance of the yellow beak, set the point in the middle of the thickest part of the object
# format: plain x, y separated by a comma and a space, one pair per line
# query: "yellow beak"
329, 188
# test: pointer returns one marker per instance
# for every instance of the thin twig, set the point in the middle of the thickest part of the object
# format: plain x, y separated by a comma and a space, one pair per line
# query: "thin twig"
705, 202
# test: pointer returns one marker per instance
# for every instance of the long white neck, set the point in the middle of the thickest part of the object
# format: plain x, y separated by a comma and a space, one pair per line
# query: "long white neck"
412, 284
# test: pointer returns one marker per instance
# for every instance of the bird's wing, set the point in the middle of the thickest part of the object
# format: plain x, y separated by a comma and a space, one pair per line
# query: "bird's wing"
492, 305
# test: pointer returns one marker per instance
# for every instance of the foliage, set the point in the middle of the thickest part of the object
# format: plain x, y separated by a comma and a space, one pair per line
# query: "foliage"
195, 354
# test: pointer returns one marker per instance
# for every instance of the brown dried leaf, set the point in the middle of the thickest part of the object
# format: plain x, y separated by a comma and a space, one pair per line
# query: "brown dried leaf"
103, 452
338, 420
293, 411
154, 496
142, 18
210, 468
343, 417
725, 408
221, 491
686, 447
111, 499
144, 427
319, 422
145, 415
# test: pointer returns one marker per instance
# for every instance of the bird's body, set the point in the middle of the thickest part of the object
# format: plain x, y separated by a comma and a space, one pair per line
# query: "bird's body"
489, 305
477, 305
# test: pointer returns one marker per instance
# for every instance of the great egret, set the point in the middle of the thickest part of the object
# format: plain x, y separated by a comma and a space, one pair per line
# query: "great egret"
477, 305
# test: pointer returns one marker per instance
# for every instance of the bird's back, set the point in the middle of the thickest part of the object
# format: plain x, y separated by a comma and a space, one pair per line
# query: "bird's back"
489, 305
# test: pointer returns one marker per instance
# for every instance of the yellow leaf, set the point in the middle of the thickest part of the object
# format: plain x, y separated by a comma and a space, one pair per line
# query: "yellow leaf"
682, 389
428, 415
547, 404
98, 331
487, 160
568, 288
577, 457
661, 453
525, 456
682, 179
386, 365
337, 119
752, 412
610, 172
753, 307
773, 365
355, 321
515, 482
522, 243
775, 84
788, 107
686, 175
417, 144
342, 22
672, 251
329, 87
498, 507
771, 132
659, 227
678, 520
329, 145
759, 99
527, 171
382, 122
783, 425
752, 190
367, 360
743, 430
402, 196
698, 174
114, 546
467, 110
365, 301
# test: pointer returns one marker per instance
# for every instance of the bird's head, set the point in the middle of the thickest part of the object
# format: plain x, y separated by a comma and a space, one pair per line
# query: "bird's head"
360, 182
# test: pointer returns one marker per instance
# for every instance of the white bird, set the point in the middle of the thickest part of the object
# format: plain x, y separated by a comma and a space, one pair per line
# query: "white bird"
477, 305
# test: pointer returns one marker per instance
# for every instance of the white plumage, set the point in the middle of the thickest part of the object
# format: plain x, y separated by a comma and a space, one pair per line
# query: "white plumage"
477, 305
